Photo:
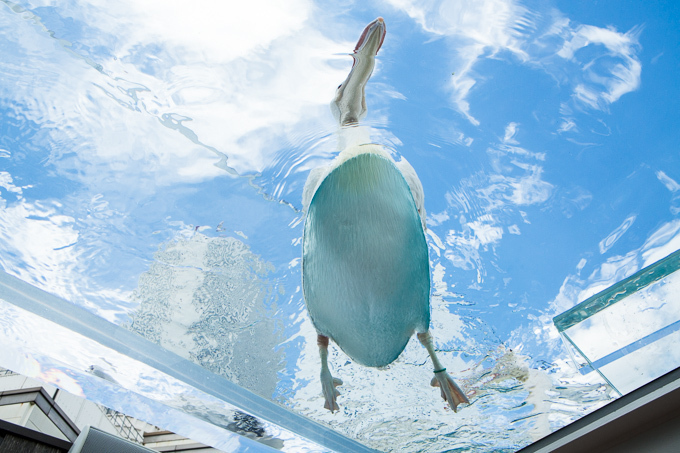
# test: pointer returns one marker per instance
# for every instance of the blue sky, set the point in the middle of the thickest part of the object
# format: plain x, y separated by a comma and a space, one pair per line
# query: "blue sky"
545, 134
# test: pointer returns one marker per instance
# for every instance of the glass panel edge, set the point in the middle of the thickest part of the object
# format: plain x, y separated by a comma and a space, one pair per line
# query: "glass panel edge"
77, 319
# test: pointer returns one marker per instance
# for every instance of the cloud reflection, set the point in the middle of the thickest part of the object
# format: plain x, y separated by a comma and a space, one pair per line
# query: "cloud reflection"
610, 240
489, 203
674, 188
613, 72
544, 39
240, 77
134, 100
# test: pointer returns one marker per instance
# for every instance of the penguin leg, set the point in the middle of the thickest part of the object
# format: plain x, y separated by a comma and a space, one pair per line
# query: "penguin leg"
328, 382
450, 391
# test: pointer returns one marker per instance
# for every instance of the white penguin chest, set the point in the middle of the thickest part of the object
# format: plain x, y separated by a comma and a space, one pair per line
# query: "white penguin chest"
365, 261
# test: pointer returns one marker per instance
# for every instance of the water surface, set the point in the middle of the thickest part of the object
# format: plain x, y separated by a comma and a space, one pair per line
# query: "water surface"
152, 159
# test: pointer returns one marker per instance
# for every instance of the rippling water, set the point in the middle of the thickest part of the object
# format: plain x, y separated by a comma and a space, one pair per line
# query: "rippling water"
152, 159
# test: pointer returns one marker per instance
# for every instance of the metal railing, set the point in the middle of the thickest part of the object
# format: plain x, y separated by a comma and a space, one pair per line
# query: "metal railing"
123, 425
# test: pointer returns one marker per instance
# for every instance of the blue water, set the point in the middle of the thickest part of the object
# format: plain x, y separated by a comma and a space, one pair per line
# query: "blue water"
152, 159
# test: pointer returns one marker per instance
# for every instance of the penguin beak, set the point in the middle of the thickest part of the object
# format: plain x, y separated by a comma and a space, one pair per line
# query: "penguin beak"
372, 38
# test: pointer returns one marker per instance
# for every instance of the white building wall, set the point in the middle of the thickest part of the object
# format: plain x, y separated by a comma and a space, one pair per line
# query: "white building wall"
16, 413
14, 381
81, 411
38, 421
84, 412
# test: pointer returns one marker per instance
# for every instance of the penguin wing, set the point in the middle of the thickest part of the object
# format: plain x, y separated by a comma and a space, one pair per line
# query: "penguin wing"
416, 187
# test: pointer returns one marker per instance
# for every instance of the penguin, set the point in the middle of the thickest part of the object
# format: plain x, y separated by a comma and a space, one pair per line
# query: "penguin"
365, 264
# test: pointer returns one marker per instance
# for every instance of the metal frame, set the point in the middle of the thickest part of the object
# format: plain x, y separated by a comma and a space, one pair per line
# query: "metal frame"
604, 299
619, 422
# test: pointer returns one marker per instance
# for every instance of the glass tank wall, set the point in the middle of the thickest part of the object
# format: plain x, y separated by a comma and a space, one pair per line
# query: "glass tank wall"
153, 157
627, 332
88, 356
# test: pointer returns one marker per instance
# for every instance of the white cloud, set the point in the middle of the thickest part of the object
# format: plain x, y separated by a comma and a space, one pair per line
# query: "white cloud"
486, 233
674, 188
667, 181
40, 238
482, 28
231, 80
209, 30
545, 39
435, 219
150, 95
44, 247
661, 243
610, 240
530, 188
611, 72
486, 204
567, 125
510, 131
7, 183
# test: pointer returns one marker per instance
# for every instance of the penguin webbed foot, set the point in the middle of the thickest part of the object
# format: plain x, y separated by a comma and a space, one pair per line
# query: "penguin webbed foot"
330, 393
450, 391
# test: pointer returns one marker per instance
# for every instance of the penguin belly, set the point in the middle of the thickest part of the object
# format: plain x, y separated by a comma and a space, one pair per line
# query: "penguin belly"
365, 271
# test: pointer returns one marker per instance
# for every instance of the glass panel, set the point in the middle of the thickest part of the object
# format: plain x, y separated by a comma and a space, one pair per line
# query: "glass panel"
153, 159
628, 332
88, 356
